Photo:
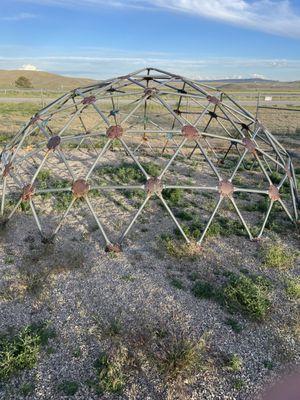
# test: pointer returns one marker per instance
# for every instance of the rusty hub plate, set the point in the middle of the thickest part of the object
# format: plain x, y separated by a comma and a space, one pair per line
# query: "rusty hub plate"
28, 192
80, 188
153, 186
114, 132
53, 142
190, 132
226, 188
273, 193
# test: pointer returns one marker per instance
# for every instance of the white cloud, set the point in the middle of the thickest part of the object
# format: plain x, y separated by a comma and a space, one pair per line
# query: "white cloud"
272, 16
18, 17
258, 76
28, 67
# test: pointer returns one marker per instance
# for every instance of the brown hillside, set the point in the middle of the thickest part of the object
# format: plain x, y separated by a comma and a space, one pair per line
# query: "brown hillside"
41, 79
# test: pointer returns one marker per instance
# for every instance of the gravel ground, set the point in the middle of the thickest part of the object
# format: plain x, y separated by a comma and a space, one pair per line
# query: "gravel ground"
79, 289
140, 301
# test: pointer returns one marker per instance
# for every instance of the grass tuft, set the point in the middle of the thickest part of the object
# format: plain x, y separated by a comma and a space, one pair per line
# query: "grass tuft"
292, 288
21, 350
110, 367
276, 255
247, 295
68, 388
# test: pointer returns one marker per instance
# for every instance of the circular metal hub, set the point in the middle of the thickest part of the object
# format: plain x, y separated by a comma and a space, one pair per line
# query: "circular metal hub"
80, 188
150, 92
53, 142
213, 100
153, 186
273, 193
89, 100
28, 192
114, 132
249, 144
190, 132
226, 188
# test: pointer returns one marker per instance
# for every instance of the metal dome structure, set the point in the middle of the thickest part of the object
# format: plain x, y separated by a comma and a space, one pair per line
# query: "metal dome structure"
114, 145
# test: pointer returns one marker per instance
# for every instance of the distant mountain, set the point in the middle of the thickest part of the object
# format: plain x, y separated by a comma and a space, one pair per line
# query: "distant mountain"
42, 80
243, 80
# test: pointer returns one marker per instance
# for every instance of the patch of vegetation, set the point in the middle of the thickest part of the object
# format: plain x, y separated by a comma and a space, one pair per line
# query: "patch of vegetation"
276, 255
234, 325
292, 288
261, 205
68, 388
115, 327
238, 383
179, 356
226, 227
177, 283
128, 172
61, 199
21, 351
173, 196
268, 364
23, 82
247, 295
127, 278
234, 363
27, 388
180, 250
204, 290
184, 215
111, 370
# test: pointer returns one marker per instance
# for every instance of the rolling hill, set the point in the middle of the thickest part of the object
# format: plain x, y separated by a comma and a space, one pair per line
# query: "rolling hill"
42, 80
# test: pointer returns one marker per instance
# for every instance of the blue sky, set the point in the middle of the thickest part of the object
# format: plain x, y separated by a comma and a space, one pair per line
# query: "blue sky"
204, 39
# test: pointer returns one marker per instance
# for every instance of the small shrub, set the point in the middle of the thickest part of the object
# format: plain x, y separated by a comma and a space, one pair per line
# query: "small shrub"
111, 370
268, 364
185, 215
276, 255
180, 250
235, 326
204, 290
179, 356
174, 196
115, 327
238, 383
234, 363
22, 350
23, 82
247, 295
27, 388
177, 283
293, 288
69, 388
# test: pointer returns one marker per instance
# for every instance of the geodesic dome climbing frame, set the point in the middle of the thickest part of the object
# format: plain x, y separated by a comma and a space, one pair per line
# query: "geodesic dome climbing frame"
117, 144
